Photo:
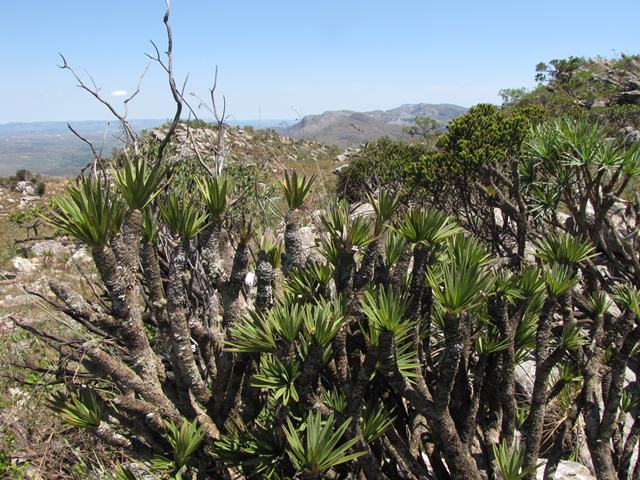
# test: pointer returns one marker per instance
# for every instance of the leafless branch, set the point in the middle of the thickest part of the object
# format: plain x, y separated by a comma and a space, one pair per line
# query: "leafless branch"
168, 67
94, 91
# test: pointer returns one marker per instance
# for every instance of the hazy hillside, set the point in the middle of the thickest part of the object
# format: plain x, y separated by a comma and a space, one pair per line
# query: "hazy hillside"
50, 148
346, 127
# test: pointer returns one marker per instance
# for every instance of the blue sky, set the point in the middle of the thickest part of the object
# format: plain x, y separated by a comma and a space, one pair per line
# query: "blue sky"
277, 58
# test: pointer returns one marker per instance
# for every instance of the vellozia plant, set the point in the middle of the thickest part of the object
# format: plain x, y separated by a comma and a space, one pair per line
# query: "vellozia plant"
89, 211
138, 182
296, 189
427, 227
564, 249
272, 247
629, 298
385, 205
314, 448
345, 231
183, 218
216, 194
260, 450
559, 279
461, 282
375, 421
278, 377
79, 408
309, 284
386, 310
185, 440
322, 322
253, 333
510, 461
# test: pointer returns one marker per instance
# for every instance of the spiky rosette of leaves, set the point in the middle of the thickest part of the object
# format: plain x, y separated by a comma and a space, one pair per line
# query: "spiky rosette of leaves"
314, 447
345, 231
184, 219
427, 227
296, 189
461, 281
386, 309
278, 377
259, 450
78, 408
559, 279
185, 439
252, 333
394, 246
629, 297
215, 193
510, 461
89, 211
272, 247
564, 249
138, 182
322, 322
385, 205
375, 421
308, 284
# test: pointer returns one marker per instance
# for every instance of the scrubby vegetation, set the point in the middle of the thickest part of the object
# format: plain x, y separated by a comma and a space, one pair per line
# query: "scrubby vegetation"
212, 344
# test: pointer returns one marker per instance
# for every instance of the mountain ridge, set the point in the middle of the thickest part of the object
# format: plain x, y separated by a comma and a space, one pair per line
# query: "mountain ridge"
349, 127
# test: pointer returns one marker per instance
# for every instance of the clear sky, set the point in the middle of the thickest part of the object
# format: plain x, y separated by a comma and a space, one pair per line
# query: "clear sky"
277, 58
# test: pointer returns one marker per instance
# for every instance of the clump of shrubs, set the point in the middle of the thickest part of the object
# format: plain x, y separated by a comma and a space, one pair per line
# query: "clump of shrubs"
41, 188
23, 175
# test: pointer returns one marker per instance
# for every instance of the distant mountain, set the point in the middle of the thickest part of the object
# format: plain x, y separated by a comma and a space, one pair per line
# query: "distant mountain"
346, 127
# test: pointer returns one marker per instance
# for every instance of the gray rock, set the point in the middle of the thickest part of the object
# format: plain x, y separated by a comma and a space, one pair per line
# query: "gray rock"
22, 265
81, 256
25, 187
339, 169
54, 247
568, 471
525, 376
365, 209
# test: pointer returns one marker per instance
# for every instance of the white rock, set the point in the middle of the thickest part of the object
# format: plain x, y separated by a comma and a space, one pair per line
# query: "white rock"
365, 209
339, 169
52, 246
568, 471
249, 280
22, 265
81, 256
25, 187
525, 375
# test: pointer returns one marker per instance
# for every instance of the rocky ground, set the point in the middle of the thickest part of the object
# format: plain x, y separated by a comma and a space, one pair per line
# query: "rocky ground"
33, 444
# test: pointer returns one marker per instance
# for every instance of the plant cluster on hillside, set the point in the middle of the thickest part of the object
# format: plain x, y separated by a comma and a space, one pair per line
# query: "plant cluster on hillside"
392, 355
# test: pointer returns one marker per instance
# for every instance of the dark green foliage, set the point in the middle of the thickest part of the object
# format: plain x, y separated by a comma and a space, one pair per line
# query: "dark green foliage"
89, 211
599, 89
183, 218
23, 175
317, 448
391, 164
41, 188
139, 182
296, 189
79, 408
